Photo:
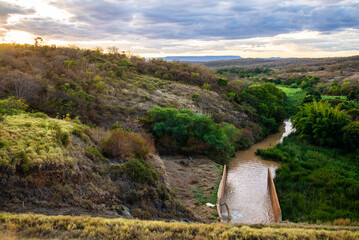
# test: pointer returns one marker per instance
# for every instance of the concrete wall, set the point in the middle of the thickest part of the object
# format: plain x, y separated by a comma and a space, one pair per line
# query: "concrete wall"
222, 187
274, 198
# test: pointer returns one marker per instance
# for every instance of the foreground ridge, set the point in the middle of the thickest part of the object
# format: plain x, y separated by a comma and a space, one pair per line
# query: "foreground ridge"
15, 226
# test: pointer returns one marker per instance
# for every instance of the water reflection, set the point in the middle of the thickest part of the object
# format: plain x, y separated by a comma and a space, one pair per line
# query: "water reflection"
246, 191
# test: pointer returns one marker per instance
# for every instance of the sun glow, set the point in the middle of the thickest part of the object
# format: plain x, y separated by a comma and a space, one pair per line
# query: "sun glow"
18, 37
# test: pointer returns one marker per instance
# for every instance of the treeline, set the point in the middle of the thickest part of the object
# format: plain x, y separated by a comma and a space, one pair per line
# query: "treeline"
245, 72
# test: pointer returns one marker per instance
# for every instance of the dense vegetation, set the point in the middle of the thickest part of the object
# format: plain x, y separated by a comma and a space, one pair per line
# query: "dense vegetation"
319, 183
315, 183
322, 124
66, 227
187, 132
269, 104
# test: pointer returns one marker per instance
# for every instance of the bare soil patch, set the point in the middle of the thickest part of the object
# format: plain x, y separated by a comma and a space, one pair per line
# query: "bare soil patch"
195, 181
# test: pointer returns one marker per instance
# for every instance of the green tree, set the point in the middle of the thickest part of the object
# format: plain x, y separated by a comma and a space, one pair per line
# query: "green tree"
321, 124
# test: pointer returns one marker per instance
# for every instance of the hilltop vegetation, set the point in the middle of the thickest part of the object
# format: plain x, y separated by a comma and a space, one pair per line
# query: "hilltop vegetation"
102, 89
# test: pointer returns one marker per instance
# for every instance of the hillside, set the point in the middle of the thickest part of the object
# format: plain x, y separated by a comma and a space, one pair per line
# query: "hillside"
55, 166
80, 135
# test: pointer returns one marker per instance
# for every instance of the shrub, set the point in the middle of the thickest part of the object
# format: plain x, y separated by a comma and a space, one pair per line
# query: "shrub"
183, 125
136, 170
243, 143
23, 162
351, 135
13, 103
3, 143
273, 154
94, 153
62, 136
222, 82
206, 86
77, 132
125, 145
312, 96
195, 97
39, 115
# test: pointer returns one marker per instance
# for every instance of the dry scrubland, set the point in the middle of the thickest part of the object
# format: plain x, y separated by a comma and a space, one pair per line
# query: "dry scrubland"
30, 226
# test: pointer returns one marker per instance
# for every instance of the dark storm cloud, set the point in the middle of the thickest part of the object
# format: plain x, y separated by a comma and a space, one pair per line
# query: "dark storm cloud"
109, 20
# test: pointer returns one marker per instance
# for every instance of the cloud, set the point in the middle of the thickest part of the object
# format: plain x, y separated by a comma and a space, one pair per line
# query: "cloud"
209, 19
6, 9
167, 25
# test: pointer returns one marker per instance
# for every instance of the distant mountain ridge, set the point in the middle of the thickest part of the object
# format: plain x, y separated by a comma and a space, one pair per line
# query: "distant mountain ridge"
199, 58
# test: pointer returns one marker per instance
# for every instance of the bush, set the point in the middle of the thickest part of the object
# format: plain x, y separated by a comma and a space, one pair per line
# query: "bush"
183, 125
206, 86
273, 154
351, 135
94, 153
136, 170
39, 115
125, 145
23, 162
77, 132
3, 143
222, 82
243, 143
62, 136
312, 96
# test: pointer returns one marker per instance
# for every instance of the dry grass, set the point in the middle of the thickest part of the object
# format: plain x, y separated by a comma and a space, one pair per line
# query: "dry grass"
41, 140
66, 227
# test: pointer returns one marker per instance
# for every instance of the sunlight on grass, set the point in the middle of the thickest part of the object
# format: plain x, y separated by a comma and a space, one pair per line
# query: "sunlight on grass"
324, 97
36, 140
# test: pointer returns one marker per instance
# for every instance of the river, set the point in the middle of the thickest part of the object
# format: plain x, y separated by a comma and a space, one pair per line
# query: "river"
246, 192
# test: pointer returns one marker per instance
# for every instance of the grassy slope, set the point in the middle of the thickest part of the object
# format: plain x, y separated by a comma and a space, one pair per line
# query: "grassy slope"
60, 227
36, 137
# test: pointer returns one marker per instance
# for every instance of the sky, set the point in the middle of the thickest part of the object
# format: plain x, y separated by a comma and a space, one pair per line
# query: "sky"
158, 28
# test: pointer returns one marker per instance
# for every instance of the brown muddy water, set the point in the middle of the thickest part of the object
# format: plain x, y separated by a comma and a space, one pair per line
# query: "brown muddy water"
246, 192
